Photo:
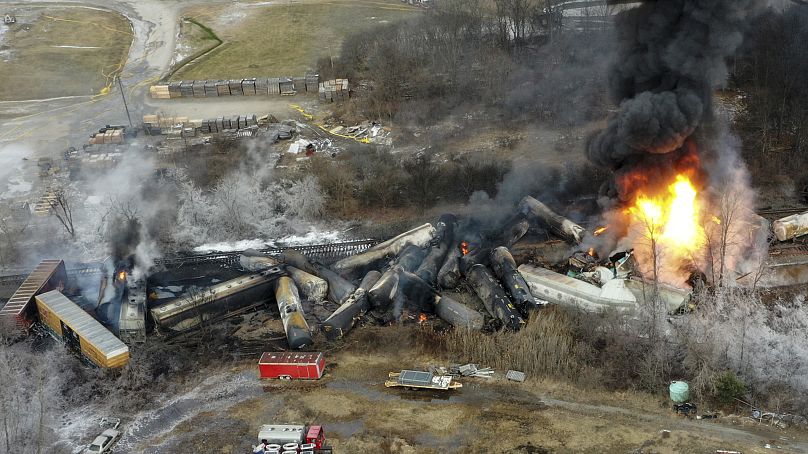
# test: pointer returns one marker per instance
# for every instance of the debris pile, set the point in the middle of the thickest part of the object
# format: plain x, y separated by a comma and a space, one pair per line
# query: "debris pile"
366, 132
515, 375
471, 370
406, 278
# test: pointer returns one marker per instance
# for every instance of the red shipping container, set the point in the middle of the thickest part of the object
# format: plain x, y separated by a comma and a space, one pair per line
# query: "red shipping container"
286, 365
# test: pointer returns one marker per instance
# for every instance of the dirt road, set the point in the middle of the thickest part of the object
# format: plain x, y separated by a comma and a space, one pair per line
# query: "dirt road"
222, 406
69, 120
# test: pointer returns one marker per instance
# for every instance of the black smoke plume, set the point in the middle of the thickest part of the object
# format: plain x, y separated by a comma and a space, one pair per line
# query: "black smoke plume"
672, 55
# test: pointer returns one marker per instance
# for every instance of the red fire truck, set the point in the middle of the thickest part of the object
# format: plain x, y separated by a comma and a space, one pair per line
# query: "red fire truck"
291, 365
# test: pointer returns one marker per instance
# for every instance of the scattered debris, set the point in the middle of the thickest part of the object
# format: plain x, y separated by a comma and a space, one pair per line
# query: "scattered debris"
9, 19
515, 375
466, 370
685, 409
414, 379
366, 132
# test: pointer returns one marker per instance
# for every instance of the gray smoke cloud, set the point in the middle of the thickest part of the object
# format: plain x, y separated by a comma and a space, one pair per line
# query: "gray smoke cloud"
672, 55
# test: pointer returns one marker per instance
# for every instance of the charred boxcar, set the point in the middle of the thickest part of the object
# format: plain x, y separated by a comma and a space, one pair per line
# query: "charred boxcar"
188, 312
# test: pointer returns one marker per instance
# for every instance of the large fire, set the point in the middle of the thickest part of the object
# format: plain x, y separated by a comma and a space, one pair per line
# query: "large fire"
671, 221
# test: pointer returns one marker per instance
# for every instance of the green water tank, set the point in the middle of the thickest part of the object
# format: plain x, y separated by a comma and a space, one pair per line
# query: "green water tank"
679, 391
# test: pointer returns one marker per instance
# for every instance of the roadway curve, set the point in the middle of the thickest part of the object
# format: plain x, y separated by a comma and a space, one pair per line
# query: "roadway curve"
69, 120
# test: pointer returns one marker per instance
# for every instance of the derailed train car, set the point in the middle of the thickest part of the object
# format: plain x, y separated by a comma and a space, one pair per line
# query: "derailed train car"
190, 311
19, 312
122, 307
79, 330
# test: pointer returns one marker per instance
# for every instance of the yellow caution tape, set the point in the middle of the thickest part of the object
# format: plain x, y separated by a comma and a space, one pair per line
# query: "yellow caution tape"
310, 117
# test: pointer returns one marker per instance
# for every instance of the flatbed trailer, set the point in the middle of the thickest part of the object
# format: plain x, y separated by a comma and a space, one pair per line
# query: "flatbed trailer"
414, 379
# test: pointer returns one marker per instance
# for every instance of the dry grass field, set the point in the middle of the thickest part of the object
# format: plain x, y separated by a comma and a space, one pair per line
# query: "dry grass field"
60, 51
487, 415
282, 38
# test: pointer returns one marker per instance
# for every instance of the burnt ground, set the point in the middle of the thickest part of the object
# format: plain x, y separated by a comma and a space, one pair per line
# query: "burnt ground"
222, 406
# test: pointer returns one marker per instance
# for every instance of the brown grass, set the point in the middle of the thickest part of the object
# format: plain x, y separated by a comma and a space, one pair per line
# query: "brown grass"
283, 39
544, 346
38, 68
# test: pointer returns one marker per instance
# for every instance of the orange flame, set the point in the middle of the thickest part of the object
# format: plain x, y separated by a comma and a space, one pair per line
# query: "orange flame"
464, 247
591, 252
122, 275
600, 230
671, 219
422, 318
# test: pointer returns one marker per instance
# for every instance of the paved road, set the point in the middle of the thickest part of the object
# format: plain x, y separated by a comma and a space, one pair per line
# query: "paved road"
46, 128
70, 120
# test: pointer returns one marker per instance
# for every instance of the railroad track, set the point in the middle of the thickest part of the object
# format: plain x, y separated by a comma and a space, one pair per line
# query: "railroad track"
777, 213
321, 252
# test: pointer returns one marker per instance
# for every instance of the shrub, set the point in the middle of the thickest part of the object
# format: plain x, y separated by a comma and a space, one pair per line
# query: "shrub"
728, 388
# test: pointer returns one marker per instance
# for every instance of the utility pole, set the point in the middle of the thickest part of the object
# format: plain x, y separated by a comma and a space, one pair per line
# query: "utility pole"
120, 85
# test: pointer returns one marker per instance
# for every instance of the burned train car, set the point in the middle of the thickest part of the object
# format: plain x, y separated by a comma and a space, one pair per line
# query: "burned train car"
197, 306
122, 306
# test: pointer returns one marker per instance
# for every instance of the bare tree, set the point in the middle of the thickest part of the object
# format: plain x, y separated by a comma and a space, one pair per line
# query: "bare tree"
304, 198
60, 207
516, 18
13, 224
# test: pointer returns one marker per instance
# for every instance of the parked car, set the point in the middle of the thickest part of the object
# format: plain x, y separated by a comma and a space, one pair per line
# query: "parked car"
103, 442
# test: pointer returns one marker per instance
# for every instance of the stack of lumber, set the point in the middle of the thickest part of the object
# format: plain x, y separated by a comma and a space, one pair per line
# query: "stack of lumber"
253, 86
210, 89
235, 87
157, 124
112, 136
287, 86
299, 84
43, 205
199, 88
274, 86
262, 86
187, 89
98, 161
334, 90
248, 87
312, 83
159, 92
223, 88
